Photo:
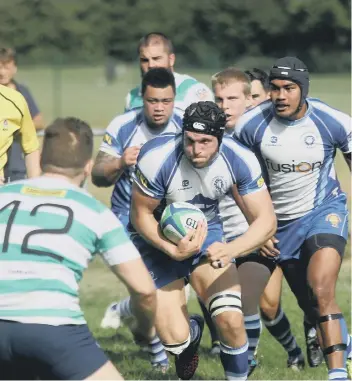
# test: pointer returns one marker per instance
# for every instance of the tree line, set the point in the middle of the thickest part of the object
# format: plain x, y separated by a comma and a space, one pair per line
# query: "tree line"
206, 33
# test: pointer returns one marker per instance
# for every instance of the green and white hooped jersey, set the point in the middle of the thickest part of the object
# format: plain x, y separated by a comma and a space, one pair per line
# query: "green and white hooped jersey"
188, 91
49, 232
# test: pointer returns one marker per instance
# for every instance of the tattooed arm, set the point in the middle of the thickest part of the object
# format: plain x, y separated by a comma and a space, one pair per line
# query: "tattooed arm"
106, 170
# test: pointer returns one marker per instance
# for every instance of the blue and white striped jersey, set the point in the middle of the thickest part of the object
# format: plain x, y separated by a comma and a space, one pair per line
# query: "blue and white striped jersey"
297, 156
127, 130
164, 172
233, 221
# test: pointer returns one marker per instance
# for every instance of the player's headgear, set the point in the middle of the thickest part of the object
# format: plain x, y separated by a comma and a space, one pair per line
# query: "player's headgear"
292, 69
205, 118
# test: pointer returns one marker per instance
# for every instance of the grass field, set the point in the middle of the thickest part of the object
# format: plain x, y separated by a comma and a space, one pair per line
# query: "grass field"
83, 94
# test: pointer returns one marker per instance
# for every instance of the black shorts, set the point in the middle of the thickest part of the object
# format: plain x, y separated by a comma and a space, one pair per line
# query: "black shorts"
32, 351
254, 257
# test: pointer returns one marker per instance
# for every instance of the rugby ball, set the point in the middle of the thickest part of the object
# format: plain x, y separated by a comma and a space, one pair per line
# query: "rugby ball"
178, 218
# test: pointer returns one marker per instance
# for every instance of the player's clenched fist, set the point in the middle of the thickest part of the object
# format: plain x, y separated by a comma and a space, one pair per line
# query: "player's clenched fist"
192, 243
218, 255
130, 155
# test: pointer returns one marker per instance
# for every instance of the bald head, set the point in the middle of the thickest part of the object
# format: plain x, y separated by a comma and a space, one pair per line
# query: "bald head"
155, 50
156, 38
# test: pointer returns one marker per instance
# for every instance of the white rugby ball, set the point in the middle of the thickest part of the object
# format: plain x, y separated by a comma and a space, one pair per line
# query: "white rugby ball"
178, 218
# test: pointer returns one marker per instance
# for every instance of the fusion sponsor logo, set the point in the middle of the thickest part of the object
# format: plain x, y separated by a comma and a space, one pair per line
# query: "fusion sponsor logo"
303, 166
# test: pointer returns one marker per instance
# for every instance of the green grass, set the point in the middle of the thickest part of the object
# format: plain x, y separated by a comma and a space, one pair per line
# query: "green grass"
99, 288
83, 94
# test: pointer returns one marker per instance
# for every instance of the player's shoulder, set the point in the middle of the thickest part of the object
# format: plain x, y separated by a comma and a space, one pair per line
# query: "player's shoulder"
159, 147
259, 112
325, 111
127, 120
12, 97
57, 189
22, 88
255, 117
177, 117
231, 148
188, 84
180, 78
135, 91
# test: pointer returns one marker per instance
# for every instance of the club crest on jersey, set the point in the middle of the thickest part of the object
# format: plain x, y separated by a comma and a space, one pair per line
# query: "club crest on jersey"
273, 139
219, 185
334, 219
309, 140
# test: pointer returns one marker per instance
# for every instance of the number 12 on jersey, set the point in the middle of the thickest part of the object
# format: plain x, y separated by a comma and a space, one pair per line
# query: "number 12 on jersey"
25, 248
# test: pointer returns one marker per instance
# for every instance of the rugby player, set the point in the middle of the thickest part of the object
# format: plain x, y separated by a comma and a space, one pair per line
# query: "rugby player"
260, 89
296, 138
16, 120
15, 168
272, 315
234, 95
116, 160
213, 166
50, 229
156, 50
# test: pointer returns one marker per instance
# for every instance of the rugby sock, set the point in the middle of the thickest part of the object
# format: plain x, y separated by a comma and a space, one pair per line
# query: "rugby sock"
337, 374
280, 329
209, 322
157, 352
341, 373
253, 329
345, 336
234, 361
123, 308
349, 347
194, 330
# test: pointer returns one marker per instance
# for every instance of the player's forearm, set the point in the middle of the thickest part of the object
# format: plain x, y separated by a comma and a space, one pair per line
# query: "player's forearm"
106, 173
262, 229
32, 161
38, 122
148, 228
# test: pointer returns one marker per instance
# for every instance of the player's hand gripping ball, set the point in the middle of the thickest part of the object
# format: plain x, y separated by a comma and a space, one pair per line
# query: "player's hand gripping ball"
178, 218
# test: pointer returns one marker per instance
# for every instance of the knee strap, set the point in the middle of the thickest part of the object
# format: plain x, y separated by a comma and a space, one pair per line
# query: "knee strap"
224, 301
330, 317
334, 348
177, 349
